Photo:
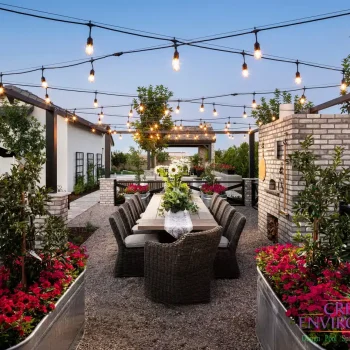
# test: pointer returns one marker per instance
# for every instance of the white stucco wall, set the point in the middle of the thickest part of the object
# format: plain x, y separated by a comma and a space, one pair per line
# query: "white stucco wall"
62, 154
81, 140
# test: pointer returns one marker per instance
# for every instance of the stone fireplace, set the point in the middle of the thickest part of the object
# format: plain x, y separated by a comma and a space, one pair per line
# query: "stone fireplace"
279, 190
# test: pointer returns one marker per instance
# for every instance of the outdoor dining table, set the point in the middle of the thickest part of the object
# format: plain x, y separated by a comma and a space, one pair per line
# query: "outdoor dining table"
152, 220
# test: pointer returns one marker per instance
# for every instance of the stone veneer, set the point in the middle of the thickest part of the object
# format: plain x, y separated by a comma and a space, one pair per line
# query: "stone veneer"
328, 130
107, 191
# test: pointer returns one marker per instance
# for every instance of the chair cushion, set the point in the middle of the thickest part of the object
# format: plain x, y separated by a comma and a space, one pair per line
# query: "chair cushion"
224, 242
136, 230
138, 241
141, 215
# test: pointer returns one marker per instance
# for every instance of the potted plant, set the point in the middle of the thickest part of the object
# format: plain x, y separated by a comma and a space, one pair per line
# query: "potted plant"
199, 170
134, 188
195, 160
208, 190
309, 283
119, 199
227, 169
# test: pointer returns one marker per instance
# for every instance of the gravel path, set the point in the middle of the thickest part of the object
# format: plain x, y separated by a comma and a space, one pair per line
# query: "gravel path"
118, 316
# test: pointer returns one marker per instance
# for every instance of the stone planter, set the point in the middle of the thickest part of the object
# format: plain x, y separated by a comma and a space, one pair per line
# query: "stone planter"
128, 196
63, 327
274, 329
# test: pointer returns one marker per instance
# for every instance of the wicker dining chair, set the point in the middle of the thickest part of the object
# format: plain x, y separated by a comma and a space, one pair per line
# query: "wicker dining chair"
140, 201
225, 263
135, 215
221, 210
214, 198
226, 219
180, 272
130, 255
129, 215
216, 204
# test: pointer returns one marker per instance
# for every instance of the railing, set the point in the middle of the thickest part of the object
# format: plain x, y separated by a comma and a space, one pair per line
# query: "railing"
255, 193
235, 193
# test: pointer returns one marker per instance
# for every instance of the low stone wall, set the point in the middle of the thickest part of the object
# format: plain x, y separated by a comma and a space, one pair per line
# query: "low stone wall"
107, 191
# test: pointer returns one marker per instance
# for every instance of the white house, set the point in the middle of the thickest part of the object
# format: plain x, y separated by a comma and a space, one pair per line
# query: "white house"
70, 146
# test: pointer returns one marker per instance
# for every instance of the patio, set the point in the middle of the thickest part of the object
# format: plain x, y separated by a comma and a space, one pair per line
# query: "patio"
119, 316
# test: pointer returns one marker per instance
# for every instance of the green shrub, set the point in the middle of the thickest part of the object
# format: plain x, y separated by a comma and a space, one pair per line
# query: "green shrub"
79, 186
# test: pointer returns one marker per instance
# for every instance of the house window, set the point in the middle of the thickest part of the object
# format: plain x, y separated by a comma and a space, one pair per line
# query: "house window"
79, 165
90, 169
99, 164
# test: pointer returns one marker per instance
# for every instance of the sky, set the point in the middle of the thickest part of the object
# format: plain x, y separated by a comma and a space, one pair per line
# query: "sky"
29, 42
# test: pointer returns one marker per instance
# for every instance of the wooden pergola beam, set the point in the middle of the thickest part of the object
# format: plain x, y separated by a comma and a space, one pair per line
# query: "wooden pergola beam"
331, 103
211, 133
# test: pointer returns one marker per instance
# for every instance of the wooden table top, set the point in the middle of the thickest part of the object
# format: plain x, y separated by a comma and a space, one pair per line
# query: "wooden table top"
152, 220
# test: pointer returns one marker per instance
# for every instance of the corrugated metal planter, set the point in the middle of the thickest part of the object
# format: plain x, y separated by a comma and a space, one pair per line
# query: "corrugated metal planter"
62, 328
274, 329
206, 199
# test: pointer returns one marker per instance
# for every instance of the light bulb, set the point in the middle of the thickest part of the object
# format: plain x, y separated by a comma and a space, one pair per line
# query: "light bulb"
1, 89
175, 127
187, 135
99, 121
47, 99
127, 123
155, 125
74, 117
254, 105
166, 112
245, 114
201, 109
176, 61
141, 107
228, 124
245, 71
131, 113
92, 76
302, 99
120, 137
44, 82
177, 111
95, 103
297, 78
101, 114
215, 113
257, 51
343, 85
66, 119
89, 49
93, 130
273, 118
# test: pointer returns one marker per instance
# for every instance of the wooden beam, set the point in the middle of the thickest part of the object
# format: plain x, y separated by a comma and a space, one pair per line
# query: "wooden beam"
51, 150
252, 155
331, 103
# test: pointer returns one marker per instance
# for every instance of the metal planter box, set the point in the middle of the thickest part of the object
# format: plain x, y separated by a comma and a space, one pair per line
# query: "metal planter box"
274, 329
62, 328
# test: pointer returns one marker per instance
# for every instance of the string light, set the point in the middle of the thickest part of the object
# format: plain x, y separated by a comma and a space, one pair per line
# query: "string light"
175, 127
89, 49
128, 123
66, 117
249, 130
254, 105
226, 128
131, 112
245, 135
156, 126
151, 128
343, 85
303, 97
200, 124
245, 71
93, 130
260, 123
92, 72
114, 132
177, 111
214, 137
2, 90
201, 109
141, 107
95, 100
215, 113
181, 125
120, 137
43, 80
101, 113
47, 98
176, 59
187, 135
99, 121
244, 113
297, 74
229, 124
205, 126
166, 110
257, 50
273, 117
74, 116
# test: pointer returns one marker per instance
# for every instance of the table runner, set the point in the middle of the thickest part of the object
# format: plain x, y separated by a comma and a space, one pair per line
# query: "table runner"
178, 223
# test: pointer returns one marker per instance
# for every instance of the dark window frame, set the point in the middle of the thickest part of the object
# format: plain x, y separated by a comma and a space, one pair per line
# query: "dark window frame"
79, 165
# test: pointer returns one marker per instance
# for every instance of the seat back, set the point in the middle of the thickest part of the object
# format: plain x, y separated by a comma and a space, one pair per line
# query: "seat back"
214, 198
234, 231
140, 202
220, 212
118, 228
130, 217
130, 203
137, 205
216, 205
226, 219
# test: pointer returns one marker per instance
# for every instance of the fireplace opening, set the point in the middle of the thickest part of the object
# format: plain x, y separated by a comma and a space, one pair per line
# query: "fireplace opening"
272, 185
272, 228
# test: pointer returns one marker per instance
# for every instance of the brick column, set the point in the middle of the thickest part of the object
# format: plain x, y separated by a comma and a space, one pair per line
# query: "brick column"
248, 192
58, 205
107, 191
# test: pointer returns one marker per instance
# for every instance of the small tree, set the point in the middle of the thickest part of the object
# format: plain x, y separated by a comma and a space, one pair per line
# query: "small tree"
119, 159
162, 156
155, 114
345, 108
318, 205
268, 111
136, 160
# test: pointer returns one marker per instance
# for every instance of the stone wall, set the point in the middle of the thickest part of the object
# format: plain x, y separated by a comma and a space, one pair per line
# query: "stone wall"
328, 131
107, 191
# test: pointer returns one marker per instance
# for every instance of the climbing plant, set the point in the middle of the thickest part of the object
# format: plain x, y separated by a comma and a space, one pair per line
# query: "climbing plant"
345, 108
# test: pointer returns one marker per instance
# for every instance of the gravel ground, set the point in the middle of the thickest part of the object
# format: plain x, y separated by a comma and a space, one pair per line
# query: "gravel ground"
118, 316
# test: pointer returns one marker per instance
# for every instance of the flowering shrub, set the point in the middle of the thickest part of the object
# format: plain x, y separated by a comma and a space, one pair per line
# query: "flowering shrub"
224, 167
132, 189
21, 310
211, 189
307, 294
198, 168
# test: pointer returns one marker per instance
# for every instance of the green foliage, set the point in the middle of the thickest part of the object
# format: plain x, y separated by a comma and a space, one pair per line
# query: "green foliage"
345, 108
209, 176
91, 183
155, 101
318, 206
89, 227
239, 158
135, 159
79, 186
268, 111
162, 156
119, 159
196, 160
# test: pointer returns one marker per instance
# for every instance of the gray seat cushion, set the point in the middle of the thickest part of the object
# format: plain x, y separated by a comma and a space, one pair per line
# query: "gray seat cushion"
138, 241
224, 242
